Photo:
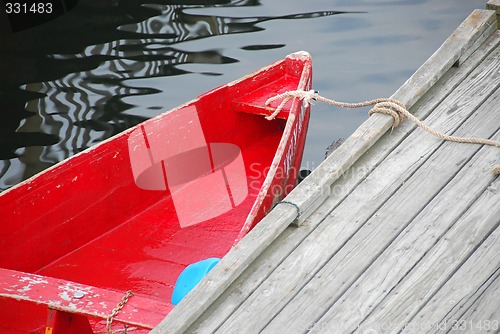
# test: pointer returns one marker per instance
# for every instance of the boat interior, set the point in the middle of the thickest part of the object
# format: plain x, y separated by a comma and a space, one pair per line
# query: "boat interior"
130, 214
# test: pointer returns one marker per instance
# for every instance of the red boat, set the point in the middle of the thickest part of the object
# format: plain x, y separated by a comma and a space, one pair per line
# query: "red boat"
97, 242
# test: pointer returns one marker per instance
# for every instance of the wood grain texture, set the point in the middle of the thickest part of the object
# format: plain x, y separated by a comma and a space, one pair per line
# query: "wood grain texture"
329, 244
485, 31
315, 189
479, 303
226, 271
494, 5
363, 272
402, 255
484, 314
465, 265
309, 196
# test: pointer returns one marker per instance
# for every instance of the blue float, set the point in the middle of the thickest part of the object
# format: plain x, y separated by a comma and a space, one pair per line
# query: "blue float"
191, 276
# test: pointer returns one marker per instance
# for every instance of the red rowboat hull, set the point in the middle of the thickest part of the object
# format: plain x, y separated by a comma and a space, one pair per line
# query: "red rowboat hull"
132, 212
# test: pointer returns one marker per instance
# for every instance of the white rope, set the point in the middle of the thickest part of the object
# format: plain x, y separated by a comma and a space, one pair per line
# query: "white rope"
305, 96
391, 107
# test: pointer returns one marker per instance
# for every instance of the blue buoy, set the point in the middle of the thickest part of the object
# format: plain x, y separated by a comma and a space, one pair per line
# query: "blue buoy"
191, 276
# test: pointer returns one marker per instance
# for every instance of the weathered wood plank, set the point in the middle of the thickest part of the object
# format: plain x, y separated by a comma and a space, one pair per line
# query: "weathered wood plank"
484, 314
451, 257
95, 302
253, 276
494, 5
486, 31
329, 237
311, 194
226, 271
315, 189
376, 237
364, 295
265, 264
247, 283
462, 309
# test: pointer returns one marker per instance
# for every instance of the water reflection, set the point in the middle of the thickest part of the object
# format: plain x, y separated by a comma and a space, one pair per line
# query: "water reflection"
63, 84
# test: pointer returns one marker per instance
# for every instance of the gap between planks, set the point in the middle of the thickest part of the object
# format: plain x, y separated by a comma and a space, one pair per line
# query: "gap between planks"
327, 239
471, 309
234, 264
253, 277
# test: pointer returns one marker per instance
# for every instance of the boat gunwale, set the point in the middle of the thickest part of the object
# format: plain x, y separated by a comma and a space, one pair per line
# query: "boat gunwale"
316, 188
156, 118
277, 161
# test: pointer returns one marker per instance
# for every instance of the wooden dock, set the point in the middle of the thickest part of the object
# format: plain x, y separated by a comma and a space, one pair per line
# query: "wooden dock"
398, 230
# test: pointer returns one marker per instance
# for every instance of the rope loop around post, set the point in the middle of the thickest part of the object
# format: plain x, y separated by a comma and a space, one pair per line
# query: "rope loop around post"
391, 107
305, 96
299, 212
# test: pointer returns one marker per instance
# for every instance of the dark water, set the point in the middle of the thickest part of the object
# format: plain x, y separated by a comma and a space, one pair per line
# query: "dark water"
107, 65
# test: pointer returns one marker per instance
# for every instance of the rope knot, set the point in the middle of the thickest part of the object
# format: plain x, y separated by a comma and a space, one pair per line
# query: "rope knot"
393, 108
305, 96
390, 107
496, 170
